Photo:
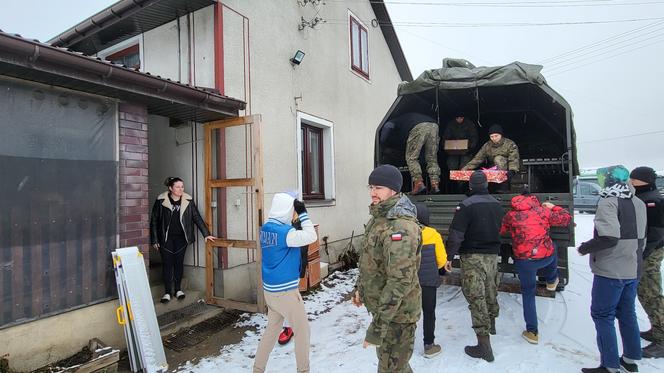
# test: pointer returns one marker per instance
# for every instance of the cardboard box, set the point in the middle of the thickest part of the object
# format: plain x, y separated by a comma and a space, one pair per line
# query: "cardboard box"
455, 146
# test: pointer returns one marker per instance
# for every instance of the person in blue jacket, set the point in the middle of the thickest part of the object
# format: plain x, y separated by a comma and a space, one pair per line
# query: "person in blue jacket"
280, 246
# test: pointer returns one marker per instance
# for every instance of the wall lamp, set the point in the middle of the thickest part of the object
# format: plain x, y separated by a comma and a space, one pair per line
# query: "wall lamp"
297, 58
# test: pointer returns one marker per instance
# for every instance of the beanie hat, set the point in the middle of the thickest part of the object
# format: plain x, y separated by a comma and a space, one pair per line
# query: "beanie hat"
282, 208
645, 174
495, 128
388, 176
608, 176
478, 181
422, 213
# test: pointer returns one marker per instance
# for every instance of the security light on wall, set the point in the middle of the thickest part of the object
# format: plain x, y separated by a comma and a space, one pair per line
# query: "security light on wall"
297, 58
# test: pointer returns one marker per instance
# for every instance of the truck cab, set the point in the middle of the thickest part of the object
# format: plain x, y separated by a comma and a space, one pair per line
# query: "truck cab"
531, 113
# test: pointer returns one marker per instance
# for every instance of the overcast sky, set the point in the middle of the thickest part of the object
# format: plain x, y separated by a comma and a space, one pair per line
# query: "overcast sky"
611, 73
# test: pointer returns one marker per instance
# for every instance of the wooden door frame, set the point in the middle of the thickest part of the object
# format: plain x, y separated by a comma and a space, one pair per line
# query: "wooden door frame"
256, 182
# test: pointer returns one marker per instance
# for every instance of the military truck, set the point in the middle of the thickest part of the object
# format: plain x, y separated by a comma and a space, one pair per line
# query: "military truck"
532, 114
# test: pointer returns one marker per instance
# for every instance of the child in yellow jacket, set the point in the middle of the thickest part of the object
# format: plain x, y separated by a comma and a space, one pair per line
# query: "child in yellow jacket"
434, 258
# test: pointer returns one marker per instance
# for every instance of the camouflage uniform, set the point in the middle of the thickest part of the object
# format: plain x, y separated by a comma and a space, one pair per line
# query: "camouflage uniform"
479, 283
388, 284
424, 134
505, 155
650, 293
464, 131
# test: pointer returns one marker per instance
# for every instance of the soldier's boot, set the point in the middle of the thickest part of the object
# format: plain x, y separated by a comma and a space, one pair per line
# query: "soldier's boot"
492, 331
418, 187
482, 350
654, 350
647, 335
434, 188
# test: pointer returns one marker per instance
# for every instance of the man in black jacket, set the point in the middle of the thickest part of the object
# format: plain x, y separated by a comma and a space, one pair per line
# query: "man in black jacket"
650, 286
475, 235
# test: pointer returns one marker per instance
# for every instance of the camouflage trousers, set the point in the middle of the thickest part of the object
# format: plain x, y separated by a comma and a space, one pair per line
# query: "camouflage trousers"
650, 292
479, 283
424, 134
397, 348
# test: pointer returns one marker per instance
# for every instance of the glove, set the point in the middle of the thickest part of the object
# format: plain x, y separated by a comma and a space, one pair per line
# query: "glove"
299, 207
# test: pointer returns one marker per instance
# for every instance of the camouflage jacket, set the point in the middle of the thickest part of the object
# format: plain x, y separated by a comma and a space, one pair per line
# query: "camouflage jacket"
389, 261
506, 149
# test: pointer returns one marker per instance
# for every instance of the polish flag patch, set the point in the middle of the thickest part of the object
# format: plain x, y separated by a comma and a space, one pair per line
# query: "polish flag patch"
651, 204
396, 236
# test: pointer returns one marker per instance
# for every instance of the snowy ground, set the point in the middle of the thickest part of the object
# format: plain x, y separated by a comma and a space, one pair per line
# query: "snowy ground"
567, 335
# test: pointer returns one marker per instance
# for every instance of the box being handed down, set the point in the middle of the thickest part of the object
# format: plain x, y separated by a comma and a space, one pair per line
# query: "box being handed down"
455, 146
493, 176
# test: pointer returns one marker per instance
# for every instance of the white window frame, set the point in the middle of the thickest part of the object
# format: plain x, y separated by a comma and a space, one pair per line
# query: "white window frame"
124, 45
328, 156
350, 47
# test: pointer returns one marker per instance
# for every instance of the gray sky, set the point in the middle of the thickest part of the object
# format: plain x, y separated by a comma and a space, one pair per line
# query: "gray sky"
615, 96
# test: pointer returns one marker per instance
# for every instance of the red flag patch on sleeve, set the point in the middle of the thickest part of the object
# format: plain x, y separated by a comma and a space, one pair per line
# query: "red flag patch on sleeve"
396, 236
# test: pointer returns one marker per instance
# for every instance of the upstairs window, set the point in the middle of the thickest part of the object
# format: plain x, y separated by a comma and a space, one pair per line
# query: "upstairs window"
359, 47
129, 57
313, 169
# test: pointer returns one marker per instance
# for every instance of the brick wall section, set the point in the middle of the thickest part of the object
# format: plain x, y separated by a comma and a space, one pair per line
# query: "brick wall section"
134, 226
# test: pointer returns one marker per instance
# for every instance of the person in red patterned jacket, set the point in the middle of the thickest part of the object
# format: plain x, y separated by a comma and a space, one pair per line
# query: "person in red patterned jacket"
528, 223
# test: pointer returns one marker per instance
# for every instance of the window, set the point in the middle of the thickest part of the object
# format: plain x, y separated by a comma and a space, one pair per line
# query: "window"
315, 158
129, 57
312, 163
359, 47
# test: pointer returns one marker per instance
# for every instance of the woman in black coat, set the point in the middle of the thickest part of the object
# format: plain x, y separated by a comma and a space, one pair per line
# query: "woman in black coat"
174, 215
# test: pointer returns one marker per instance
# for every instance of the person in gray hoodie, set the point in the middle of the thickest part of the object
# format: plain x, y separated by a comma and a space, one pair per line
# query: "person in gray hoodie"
615, 260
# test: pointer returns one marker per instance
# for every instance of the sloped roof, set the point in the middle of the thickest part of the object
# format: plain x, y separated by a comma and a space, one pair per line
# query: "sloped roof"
35, 61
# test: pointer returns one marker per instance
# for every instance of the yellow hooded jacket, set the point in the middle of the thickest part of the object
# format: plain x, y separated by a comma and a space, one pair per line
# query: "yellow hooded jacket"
431, 236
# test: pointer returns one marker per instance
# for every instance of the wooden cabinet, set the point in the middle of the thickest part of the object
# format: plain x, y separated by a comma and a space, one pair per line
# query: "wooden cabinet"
312, 277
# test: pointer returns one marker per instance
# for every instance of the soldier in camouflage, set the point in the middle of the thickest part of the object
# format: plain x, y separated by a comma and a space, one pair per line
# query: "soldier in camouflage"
499, 151
650, 285
475, 235
389, 260
425, 135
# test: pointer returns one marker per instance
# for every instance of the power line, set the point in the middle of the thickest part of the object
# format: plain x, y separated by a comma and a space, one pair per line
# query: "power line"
498, 24
622, 137
614, 37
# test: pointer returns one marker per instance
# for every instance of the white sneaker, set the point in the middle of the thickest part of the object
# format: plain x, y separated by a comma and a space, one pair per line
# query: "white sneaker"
166, 298
553, 286
180, 295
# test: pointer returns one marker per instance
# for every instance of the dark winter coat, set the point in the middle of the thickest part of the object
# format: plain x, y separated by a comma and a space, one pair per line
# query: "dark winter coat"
528, 223
475, 228
655, 209
161, 218
464, 131
434, 257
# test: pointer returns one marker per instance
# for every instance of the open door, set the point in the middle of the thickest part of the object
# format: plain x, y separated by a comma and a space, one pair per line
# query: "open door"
234, 212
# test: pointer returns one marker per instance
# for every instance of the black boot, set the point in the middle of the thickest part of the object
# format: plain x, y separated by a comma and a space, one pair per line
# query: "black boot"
628, 367
482, 350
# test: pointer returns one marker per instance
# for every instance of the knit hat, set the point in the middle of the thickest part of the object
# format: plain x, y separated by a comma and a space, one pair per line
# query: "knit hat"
388, 176
422, 213
282, 208
495, 128
645, 174
608, 176
478, 181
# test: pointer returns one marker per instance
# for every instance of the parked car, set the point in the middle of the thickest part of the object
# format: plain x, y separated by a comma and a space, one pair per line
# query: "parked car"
586, 196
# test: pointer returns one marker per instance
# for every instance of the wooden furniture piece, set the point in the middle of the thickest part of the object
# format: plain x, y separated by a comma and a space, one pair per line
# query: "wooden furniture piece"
312, 277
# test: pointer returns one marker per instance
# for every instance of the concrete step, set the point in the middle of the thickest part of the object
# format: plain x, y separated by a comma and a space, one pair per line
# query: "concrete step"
157, 288
182, 321
191, 297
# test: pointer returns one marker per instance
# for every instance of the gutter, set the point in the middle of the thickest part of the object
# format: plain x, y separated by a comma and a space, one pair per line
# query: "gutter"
42, 57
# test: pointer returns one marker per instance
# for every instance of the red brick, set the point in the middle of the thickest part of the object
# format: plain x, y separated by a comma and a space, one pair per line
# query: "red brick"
131, 218
144, 172
130, 202
131, 234
131, 140
146, 187
135, 133
136, 148
131, 195
135, 226
145, 156
136, 179
131, 155
144, 127
130, 117
131, 187
134, 210
130, 171
131, 124
144, 141
135, 163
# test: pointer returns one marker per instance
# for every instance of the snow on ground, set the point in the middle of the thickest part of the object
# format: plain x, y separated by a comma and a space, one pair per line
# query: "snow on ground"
567, 334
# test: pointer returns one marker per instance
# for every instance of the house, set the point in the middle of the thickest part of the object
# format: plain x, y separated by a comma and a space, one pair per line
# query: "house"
316, 77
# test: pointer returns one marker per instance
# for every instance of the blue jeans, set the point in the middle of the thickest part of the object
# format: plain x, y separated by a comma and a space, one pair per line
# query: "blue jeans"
611, 299
527, 270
